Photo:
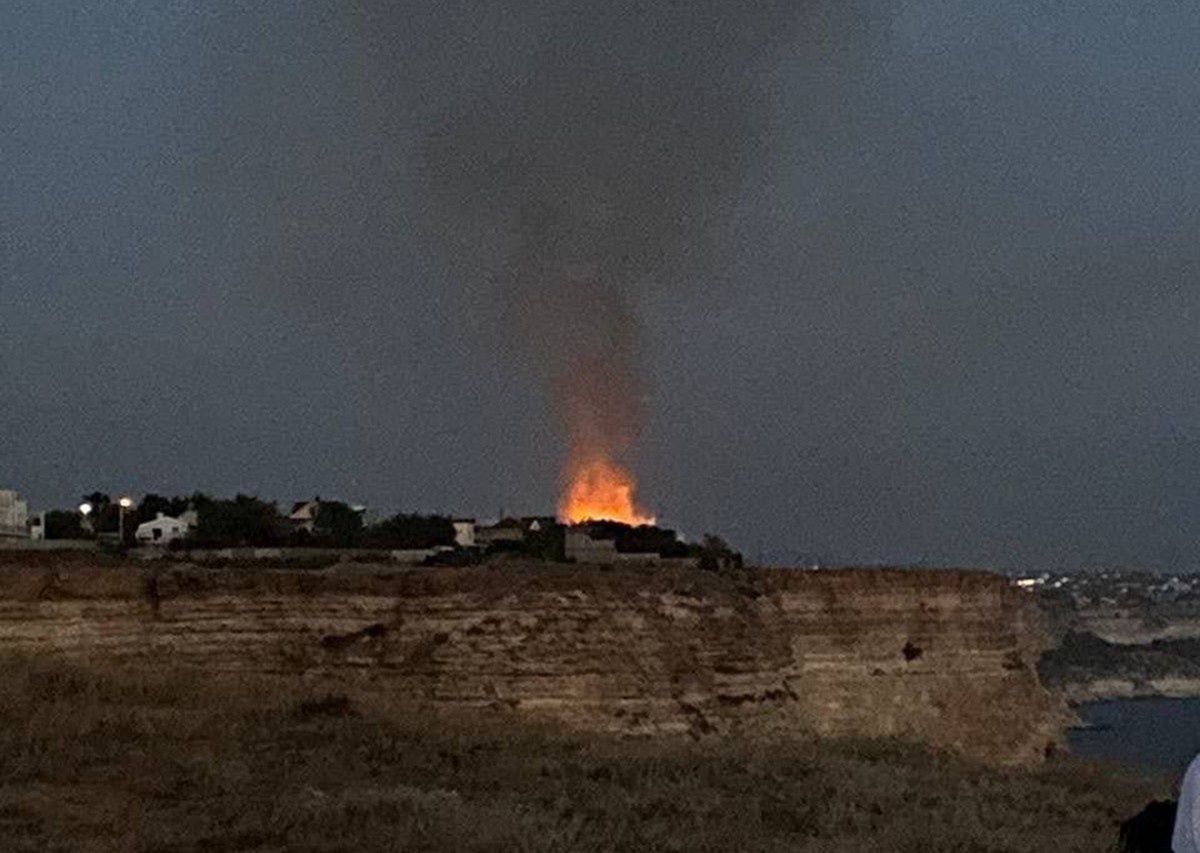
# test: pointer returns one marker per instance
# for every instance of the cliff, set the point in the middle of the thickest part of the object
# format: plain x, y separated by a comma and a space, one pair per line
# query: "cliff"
1130, 635
946, 658
1086, 668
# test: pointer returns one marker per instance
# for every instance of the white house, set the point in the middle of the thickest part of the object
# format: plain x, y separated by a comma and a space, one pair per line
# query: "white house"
163, 530
14, 515
304, 515
464, 532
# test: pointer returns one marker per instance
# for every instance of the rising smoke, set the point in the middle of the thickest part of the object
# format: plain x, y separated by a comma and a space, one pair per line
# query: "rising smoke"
605, 162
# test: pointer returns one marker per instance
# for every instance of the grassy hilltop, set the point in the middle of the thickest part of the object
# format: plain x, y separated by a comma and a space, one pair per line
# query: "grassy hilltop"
108, 760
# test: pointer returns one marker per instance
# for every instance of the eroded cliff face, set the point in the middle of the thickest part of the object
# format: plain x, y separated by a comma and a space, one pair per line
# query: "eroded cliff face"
942, 657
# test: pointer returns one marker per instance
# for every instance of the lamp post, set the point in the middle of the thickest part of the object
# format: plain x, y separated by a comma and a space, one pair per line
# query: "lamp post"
85, 509
122, 505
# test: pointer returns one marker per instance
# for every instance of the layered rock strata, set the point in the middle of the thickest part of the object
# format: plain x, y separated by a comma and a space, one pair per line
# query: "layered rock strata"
942, 657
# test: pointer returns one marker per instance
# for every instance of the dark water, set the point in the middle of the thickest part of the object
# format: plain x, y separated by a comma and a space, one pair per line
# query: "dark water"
1162, 734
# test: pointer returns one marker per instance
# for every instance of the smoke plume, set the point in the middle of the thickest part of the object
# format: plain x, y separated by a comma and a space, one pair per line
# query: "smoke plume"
604, 162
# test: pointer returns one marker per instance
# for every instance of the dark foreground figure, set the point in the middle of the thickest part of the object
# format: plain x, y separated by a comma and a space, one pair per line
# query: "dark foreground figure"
1149, 831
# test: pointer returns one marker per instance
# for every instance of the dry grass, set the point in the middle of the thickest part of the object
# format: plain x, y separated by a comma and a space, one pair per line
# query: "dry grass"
116, 761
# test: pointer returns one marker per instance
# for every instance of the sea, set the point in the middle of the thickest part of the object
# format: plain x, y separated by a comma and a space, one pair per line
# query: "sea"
1161, 735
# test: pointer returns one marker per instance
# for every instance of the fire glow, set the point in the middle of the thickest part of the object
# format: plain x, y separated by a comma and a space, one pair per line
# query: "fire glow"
602, 490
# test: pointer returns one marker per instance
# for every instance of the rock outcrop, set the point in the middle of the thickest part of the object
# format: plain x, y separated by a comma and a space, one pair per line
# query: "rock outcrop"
939, 656
1086, 668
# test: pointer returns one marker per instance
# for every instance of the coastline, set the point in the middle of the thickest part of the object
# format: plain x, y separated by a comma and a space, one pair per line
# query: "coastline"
1105, 689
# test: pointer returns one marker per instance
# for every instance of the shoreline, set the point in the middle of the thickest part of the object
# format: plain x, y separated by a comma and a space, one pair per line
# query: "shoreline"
1111, 689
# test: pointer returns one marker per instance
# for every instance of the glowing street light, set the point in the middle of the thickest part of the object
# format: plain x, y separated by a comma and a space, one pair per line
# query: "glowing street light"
85, 509
123, 504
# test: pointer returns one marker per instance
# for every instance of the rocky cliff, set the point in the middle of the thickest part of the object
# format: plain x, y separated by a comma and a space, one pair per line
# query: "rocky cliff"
943, 657
1131, 635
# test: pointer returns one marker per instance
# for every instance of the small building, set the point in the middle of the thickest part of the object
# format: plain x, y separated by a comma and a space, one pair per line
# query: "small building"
304, 515
37, 527
580, 547
504, 530
604, 542
163, 530
14, 515
464, 532
539, 523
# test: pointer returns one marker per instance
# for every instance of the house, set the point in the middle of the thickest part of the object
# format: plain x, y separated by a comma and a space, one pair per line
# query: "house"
163, 530
14, 515
504, 530
539, 523
464, 532
581, 547
613, 542
304, 515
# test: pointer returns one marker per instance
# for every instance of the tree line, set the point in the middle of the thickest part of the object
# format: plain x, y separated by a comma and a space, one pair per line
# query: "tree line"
246, 520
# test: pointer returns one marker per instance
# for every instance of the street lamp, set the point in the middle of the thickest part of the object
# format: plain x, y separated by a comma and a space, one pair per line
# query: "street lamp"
123, 504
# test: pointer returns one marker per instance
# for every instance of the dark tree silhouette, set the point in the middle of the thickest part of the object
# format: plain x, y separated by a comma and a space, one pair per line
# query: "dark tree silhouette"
339, 524
411, 531
64, 524
245, 520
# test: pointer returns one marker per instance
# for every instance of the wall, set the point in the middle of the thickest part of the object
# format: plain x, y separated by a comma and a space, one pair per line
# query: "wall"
579, 546
248, 555
14, 545
942, 657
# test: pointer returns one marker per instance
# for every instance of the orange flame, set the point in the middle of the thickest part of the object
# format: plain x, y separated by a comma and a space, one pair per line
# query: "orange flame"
602, 490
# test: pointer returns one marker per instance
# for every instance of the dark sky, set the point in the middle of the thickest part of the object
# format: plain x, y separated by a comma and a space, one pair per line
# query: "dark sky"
913, 281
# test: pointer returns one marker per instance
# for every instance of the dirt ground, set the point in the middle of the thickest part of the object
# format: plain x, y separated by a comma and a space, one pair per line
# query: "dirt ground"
111, 760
